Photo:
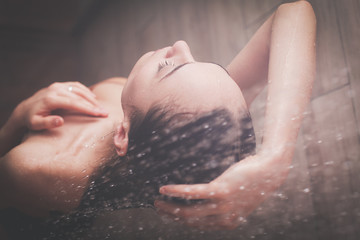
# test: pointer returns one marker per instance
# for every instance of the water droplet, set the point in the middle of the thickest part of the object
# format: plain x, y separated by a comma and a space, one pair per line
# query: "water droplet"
206, 126
224, 123
176, 210
213, 206
130, 171
306, 190
339, 137
110, 227
351, 93
141, 228
262, 193
319, 141
329, 163
241, 187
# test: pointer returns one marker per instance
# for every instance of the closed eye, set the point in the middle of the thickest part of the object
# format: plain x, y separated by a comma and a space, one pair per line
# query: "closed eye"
165, 63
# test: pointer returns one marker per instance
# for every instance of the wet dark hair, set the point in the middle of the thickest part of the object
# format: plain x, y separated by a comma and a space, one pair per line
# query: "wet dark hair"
171, 148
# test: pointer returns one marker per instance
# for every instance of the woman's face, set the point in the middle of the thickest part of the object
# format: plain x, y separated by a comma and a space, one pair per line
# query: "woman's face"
171, 75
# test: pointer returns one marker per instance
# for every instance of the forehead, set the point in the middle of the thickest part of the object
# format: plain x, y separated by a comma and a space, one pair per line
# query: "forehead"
202, 85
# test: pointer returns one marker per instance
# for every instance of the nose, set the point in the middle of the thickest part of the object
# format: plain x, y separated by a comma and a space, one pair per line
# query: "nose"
180, 50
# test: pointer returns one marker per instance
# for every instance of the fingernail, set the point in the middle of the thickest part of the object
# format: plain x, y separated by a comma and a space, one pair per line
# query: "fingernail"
162, 190
56, 122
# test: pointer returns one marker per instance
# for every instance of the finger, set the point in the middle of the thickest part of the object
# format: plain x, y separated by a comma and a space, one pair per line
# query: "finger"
48, 122
72, 89
81, 93
196, 191
80, 86
81, 106
84, 94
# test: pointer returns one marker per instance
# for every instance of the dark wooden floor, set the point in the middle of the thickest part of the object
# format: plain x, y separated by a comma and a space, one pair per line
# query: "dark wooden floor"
321, 198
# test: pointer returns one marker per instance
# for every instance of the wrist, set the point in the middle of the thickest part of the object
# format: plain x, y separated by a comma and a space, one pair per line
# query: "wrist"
275, 152
16, 119
15, 125
277, 160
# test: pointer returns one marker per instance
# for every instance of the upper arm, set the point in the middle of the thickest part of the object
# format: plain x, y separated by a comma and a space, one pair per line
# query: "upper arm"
250, 68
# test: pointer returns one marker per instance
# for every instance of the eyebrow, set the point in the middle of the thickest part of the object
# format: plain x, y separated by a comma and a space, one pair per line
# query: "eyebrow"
182, 65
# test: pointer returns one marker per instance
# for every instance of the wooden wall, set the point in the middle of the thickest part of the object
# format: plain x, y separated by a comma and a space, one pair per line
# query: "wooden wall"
320, 199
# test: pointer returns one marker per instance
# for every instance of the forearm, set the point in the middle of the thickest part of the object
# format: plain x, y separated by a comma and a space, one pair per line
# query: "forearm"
291, 75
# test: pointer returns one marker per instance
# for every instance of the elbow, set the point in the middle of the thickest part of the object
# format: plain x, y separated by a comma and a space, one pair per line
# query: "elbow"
300, 8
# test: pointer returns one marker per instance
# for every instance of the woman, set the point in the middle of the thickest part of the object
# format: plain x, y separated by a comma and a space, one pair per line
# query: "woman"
282, 53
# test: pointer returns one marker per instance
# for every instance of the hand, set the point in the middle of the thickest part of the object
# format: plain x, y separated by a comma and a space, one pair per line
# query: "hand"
36, 112
231, 197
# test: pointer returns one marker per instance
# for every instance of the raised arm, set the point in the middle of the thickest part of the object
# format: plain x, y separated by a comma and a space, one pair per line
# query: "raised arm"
282, 54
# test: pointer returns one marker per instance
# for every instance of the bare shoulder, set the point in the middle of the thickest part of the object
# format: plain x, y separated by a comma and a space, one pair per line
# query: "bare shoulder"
35, 184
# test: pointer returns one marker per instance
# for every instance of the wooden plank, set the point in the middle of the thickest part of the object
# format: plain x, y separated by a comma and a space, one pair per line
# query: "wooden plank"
256, 11
29, 66
349, 22
255, 14
332, 149
42, 15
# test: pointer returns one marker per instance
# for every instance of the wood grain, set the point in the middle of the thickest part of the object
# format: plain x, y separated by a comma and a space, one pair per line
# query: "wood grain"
332, 151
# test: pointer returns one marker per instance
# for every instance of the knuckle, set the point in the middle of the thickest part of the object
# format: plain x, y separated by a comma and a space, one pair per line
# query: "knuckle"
49, 99
54, 85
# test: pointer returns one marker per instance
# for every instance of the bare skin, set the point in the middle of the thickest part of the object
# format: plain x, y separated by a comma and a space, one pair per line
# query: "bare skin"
50, 169
281, 53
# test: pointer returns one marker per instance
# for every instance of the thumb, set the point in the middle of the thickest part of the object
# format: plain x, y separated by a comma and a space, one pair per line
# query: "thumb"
196, 191
52, 121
